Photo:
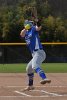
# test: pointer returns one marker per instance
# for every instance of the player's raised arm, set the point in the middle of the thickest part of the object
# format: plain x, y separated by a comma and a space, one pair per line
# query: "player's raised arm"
38, 25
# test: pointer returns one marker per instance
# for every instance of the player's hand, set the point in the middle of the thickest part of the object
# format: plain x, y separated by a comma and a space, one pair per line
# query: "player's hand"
22, 33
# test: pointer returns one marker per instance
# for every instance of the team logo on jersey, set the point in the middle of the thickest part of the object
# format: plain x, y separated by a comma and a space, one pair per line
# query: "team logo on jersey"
27, 38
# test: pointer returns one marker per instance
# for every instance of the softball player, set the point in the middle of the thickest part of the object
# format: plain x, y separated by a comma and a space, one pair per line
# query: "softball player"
31, 34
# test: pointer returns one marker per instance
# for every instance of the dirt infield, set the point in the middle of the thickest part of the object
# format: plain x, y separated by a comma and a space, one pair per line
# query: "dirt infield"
12, 85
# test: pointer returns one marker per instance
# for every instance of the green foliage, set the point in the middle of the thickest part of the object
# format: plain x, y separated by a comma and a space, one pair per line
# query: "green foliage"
12, 19
44, 9
54, 29
60, 29
50, 22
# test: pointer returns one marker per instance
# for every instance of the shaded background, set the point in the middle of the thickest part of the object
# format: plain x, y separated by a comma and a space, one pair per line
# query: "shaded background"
53, 15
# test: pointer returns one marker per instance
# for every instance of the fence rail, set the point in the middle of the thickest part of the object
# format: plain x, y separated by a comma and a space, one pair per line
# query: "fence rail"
46, 43
18, 53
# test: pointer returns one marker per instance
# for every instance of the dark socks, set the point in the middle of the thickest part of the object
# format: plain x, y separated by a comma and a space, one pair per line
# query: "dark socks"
30, 79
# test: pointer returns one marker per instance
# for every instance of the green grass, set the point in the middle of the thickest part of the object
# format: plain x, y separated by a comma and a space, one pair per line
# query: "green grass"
55, 67
47, 67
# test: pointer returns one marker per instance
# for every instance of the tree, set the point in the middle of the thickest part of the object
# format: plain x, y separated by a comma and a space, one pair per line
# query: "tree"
60, 29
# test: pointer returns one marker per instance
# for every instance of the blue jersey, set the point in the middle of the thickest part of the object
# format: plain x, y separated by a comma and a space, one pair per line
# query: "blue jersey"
32, 39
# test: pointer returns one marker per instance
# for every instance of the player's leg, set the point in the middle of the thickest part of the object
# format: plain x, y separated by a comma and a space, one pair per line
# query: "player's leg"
30, 74
37, 60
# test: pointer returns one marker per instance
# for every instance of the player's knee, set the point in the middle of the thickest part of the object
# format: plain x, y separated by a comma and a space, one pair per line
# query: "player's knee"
35, 66
44, 55
35, 63
29, 69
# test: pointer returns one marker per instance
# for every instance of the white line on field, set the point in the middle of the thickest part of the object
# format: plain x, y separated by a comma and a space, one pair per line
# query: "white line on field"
31, 96
24, 94
42, 91
49, 93
11, 96
54, 94
35, 86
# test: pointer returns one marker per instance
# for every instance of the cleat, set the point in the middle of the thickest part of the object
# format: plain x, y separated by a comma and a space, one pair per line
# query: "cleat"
44, 81
28, 88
